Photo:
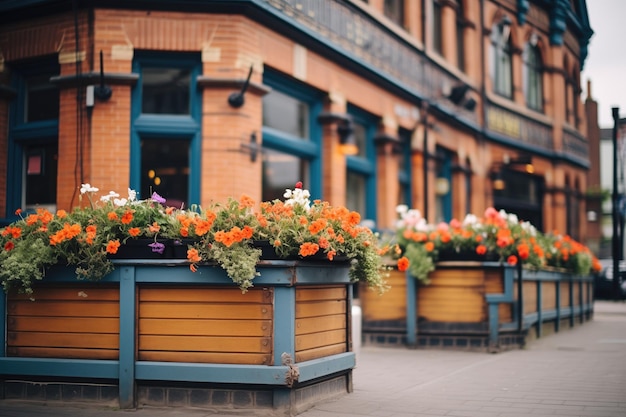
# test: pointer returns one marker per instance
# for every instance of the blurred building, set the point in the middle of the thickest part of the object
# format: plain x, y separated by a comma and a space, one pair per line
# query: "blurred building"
453, 105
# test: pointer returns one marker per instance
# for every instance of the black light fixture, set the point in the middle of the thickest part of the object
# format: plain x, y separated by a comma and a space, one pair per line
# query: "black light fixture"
237, 99
102, 92
459, 96
253, 148
504, 25
345, 130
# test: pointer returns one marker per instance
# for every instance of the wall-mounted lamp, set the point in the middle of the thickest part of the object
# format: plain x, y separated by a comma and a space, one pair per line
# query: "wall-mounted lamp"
345, 131
458, 95
253, 148
498, 181
102, 92
504, 25
237, 99
521, 160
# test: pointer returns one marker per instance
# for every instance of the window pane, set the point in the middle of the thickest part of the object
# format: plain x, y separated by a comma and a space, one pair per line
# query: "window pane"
40, 170
165, 170
360, 137
165, 90
437, 27
394, 10
42, 99
287, 114
355, 193
282, 171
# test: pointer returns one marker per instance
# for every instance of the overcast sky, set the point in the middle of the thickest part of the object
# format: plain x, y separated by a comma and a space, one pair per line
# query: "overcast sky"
605, 65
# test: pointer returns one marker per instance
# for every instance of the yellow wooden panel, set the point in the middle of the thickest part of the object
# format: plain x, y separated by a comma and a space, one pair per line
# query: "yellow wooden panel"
564, 294
64, 308
530, 296
451, 304
193, 327
204, 311
63, 324
205, 295
326, 293
205, 343
313, 340
66, 353
320, 324
71, 340
548, 294
321, 352
457, 277
75, 292
320, 308
208, 357
390, 305
576, 292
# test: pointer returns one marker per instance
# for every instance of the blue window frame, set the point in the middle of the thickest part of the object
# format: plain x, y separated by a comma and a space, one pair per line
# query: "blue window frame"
443, 188
33, 138
361, 168
291, 136
405, 171
166, 127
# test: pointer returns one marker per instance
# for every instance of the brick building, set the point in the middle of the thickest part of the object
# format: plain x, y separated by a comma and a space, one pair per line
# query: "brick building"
454, 105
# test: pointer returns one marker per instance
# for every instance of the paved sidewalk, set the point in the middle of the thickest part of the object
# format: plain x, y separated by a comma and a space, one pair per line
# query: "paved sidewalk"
577, 372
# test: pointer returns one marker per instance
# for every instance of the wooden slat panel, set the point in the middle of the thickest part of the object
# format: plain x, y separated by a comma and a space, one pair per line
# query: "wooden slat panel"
320, 308
548, 293
205, 295
390, 305
327, 293
66, 353
457, 277
207, 357
65, 321
167, 310
70, 340
321, 352
205, 344
442, 303
530, 296
320, 324
65, 325
64, 308
314, 340
564, 294
82, 293
576, 294
194, 327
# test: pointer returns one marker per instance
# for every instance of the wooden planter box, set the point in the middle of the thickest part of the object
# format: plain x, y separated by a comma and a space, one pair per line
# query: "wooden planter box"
155, 333
474, 305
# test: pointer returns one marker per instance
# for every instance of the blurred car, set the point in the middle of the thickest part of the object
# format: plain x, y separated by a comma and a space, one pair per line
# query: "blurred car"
603, 286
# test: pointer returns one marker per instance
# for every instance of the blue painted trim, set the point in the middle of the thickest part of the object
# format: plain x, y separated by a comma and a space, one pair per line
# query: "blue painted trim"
494, 300
128, 321
284, 323
3, 323
539, 306
75, 368
329, 365
207, 372
411, 309
571, 303
557, 322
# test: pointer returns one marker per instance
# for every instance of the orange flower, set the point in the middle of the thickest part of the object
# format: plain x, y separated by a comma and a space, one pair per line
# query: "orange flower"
134, 231
61, 214
113, 246
511, 260
403, 264
112, 215
429, 246
193, 255
154, 228
127, 217
481, 249
308, 249
9, 246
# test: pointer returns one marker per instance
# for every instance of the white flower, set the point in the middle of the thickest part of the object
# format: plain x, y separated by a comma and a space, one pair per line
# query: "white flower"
132, 195
119, 202
402, 209
108, 197
470, 219
298, 197
87, 188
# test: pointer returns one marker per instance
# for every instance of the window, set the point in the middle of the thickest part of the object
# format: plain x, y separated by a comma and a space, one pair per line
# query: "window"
533, 77
165, 144
394, 10
33, 138
291, 143
361, 168
501, 70
460, 38
437, 27
404, 169
443, 186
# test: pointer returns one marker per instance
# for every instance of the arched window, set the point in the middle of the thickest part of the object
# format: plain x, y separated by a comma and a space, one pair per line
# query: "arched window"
533, 77
501, 69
